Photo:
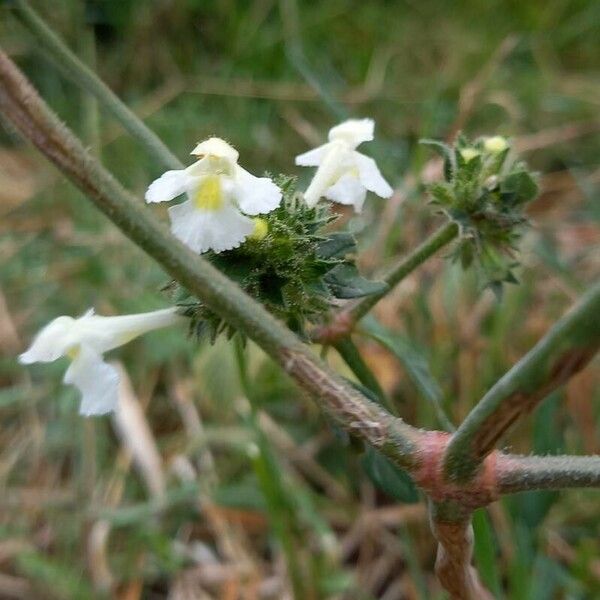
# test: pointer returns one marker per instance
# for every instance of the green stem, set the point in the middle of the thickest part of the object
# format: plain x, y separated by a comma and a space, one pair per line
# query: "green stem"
345, 320
84, 77
279, 510
562, 352
437, 240
89, 104
269, 475
351, 355
527, 473
23, 107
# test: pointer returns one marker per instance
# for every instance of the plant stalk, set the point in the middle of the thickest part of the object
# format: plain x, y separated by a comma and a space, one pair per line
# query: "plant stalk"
346, 319
83, 76
569, 345
451, 526
528, 473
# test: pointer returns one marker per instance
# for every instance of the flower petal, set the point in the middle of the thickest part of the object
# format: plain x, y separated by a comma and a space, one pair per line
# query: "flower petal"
97, 381
216, 146
168, 186
312, 158
337, 161
51, 342
256, 195
371, 177
216, 230
353, 132
105, 333
348, 190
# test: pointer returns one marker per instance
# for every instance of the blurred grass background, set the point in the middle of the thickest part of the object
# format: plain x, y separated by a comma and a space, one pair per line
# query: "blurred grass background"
190, 494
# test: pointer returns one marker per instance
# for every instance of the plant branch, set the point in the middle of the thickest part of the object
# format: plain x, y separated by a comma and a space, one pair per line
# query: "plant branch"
560, 354
451, 526
23, 107
84, 77
346, 319
527, 473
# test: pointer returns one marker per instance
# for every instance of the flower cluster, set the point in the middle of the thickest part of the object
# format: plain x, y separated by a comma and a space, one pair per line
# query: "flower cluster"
283, 258
296, 268
278, 245
221, 195
484, 191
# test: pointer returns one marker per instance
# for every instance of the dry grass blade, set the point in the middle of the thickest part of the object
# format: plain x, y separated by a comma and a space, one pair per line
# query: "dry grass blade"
136, 435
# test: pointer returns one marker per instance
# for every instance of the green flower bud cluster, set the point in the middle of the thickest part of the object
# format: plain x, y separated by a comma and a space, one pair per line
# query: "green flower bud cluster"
292, 264
485, 190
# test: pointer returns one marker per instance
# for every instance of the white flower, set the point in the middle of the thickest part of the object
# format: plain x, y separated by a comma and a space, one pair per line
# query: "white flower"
344, 175
84, 340
219, 196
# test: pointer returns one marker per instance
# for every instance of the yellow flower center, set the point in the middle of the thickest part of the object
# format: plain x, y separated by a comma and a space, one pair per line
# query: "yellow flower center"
209, 195
73, 352
261, 228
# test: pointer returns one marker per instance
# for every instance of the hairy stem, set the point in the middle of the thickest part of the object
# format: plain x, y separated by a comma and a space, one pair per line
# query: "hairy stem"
23, 107
451, 526
84, 77
527, 473
560, 354
345, 320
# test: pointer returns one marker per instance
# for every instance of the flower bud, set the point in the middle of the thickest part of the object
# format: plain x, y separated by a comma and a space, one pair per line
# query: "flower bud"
495, 144
261, 228
469, 154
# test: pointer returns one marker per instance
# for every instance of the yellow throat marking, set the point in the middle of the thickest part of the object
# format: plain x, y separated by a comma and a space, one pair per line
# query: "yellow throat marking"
73, 352
209, 195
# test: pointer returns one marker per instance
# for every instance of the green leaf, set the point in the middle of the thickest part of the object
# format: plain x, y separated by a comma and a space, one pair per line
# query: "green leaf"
392, 480
345, 281
486, 551
442, 193
520, 185
415, 363
337, 245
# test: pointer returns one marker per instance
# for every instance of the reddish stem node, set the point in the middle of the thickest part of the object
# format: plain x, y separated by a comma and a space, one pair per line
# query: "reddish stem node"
429, 475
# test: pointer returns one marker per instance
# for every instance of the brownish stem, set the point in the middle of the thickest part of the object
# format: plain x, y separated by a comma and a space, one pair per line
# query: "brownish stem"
565, 349
455, 552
